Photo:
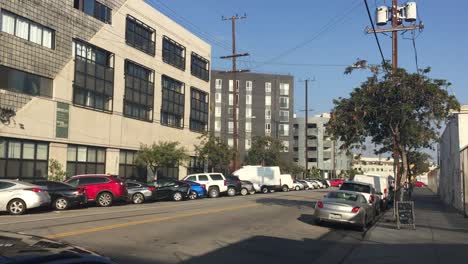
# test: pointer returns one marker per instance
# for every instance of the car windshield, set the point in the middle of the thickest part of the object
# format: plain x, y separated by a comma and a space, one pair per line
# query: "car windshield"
343, 196
355, 187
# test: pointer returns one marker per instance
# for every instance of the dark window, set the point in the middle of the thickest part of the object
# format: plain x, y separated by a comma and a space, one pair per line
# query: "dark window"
196, 165
169, 172
173, 101
95, 9
140, 36
6, 185
311, 125
312, 160
22, 82
199, 110
203, 178
85, 160
173, 53
94, 77
165, 183
355, 187
191, 178
73, 182
200, 67
216, 177
23, 159
139, 91
93, 180
128, 169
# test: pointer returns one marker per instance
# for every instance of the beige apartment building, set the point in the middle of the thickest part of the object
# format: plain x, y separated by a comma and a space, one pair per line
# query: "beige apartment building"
373, 165
87, 82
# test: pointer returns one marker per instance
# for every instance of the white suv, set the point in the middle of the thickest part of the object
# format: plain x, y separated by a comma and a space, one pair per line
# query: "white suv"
215, 182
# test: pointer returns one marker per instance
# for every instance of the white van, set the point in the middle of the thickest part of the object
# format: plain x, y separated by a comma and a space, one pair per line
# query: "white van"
380, 183
268, 178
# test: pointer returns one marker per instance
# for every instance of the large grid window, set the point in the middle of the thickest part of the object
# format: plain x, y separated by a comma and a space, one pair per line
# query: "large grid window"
24, 82
173, 53
200, 67
199, 110
284, 116
94, 77
23, 159
173, 102
128, 169
196, 165
85, 160
27, 29
139, 91
95, 9
284, 102
169, 172
140, 36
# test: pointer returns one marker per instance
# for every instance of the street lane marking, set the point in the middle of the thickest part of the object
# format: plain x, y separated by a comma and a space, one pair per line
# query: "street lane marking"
146, 221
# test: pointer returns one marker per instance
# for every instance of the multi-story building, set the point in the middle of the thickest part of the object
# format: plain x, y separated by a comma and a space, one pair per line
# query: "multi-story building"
323, 153
373, 165
265, 108
85, 82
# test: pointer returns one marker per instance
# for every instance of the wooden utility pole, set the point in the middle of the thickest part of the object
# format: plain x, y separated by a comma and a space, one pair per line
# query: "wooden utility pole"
306, 120
394, 35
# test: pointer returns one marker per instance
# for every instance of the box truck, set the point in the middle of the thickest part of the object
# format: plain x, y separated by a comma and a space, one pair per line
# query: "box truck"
268, 178
380, 183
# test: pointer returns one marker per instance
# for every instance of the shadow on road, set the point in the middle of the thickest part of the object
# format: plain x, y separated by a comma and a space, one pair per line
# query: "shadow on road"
287, 202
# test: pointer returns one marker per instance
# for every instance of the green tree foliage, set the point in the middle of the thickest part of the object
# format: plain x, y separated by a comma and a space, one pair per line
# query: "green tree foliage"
419, 163
290, 167
217, 153
264, 151
398, 111
56, 171
160, 155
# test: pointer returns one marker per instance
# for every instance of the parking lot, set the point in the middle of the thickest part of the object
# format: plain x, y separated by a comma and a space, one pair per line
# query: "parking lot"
196, 231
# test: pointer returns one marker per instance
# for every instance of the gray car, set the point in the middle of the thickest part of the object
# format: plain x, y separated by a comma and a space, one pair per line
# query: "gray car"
139, 192
344, 207
247, 188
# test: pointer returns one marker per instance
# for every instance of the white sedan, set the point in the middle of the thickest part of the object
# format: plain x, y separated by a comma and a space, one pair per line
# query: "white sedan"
17, 196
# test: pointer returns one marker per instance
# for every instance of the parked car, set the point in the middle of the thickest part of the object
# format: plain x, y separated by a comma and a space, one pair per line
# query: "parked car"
139, 192
306, 184
18, 196
104, 189
367, 190
344, 207
314, 184
269, 178
215, 182
298, 185
381, 185
63, 195
320, 185
247, 188
196, 190
336, 182
171, 189
234, 185
419, 184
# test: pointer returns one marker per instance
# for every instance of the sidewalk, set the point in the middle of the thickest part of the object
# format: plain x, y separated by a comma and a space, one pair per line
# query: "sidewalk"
441, 236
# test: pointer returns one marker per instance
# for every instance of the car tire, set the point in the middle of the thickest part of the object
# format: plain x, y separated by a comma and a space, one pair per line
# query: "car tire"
193, 195
244, 192
16, 207
363, 226
177, 197
213, 192
297, 188
285, 188
61, 203
231, 191
138, 198
104, 199
264, 189
252, 192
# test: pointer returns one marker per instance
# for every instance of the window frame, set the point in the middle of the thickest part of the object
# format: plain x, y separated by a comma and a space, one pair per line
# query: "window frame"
199, 110
86, 163
150, 40
286, 100
166, 114
149, 93
167, 52
80, 5
202, 73
135, 169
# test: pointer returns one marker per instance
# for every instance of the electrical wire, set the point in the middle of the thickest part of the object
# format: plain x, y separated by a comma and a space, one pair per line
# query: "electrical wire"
375, 33
415, 51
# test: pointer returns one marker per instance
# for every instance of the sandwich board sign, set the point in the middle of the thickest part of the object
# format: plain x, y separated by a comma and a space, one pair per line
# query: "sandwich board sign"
405, 214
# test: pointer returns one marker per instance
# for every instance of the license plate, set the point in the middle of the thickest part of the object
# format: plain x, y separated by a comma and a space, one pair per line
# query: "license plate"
335, 216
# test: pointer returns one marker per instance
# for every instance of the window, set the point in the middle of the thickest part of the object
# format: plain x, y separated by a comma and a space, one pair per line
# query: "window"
85, 160
128, 169
248, 126
199, 110
139, 91
95, 9
203, 178
173, 102
173, 53
219, 84
248, 86
284, 116
268, 100
284, 102
267, 113
284, 89
231, 99
285, 146
248, 99
6, 185
217, 111
94, 77
284, 129
200, 67
217, 125
27, 29
22, 82
231, 85
248, 143
248, 113
192, 178
216, 177
169, 172
267, 128
196, 165
231, 142
268, 87
230, 127
93, 180
23, 159
140, 36
218, 97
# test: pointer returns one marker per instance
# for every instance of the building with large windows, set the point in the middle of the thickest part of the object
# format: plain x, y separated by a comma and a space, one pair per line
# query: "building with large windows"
86, 82
265, 108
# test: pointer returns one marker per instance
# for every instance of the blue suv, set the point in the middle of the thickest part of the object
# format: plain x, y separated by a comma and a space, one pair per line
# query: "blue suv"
197, 190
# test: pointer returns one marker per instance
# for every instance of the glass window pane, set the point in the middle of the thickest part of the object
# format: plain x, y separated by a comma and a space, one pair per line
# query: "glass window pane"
22, 28
80, 168
13, 169
41, 170
100, 169
14, 150
28, 150
2, 148
47, 38
101, 155
91, 155
2, 168
35, 34
82, 154
122, 157
129, 157
8, 23
71, 153
41, 153
27, 169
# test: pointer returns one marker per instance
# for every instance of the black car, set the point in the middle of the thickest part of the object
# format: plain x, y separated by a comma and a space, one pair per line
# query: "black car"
234, 185
64, 195
171, 189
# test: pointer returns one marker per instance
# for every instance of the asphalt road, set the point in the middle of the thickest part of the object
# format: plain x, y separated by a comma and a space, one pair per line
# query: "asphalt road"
262, 228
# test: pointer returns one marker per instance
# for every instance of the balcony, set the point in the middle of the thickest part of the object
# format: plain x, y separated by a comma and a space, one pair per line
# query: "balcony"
312, 131
311, 154
296, 144
312, 142
327, 144
327, 155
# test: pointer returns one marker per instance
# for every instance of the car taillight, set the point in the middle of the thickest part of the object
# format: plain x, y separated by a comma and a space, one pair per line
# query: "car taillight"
385, 191
81, 190
35, 190
203, 186
355, 210
225, 183
319, 204
371, 199
152, 189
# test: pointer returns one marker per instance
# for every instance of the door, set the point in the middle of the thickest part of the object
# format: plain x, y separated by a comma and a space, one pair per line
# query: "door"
6, 190
163, 188
92, 185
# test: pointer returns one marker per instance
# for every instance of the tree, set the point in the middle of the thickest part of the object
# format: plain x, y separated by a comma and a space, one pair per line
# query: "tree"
290, 167
418, 163
160, 155
265, 151
215, 152
57, 173
398, 111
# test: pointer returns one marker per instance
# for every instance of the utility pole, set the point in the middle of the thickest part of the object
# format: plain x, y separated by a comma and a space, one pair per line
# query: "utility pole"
306, 154
234, 71
394, 35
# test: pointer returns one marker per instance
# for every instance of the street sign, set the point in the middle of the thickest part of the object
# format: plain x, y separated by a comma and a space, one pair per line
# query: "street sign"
62, 120
405, 214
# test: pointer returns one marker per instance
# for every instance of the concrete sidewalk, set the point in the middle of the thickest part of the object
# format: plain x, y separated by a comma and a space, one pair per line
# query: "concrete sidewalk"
441, 235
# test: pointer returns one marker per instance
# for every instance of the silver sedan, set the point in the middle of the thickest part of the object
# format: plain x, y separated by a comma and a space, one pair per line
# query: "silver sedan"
344, 207
139, 192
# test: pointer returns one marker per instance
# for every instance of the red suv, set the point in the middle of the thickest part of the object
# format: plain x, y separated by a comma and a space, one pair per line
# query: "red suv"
102, 188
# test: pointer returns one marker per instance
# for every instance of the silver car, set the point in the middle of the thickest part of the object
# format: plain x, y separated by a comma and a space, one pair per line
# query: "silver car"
344, 207
17, 196
139, 192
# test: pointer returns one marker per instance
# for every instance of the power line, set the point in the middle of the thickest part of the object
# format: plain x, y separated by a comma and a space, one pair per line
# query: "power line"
415, 51
375, 34
290, 64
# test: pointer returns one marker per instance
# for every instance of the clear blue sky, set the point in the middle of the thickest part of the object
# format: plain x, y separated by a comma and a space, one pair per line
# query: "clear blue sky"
275, 27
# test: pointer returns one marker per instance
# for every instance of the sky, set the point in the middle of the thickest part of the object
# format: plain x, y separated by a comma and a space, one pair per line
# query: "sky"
318, 39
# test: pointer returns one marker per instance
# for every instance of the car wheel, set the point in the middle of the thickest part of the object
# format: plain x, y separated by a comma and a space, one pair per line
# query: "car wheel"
138, 198
177, 196
213, 192
61, 203
193, 195
16, 207
244, 192
363, 226
231, 191
264, 189
297, 188
104, 199
285, 188
252, 192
